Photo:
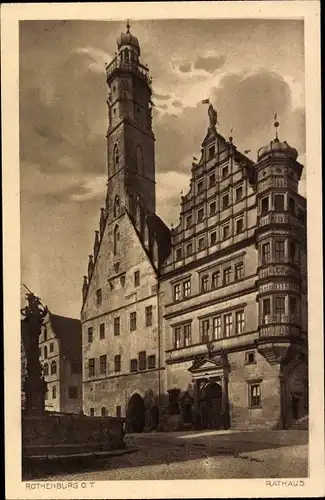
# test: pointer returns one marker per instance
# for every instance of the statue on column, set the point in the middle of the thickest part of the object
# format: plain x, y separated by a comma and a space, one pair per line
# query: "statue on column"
34, 385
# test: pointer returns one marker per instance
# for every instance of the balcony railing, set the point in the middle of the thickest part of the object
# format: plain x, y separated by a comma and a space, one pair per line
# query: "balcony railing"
279, 331
137, 68
278, 270
280, 318
279, 218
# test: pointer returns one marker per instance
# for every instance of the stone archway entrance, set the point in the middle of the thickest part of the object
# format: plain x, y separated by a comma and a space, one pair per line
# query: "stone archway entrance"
135, 416
210, 406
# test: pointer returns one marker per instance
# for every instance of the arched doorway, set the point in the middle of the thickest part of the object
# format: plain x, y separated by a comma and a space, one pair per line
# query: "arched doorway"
211, 406
135, 417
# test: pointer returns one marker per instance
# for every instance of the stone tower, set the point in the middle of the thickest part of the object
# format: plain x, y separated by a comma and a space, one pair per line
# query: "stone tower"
130, 140
281, 245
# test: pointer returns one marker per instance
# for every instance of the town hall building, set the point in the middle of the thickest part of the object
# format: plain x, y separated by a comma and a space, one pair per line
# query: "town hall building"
203, 325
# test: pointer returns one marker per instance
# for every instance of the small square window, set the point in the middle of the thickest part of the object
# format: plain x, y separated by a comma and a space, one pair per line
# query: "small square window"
73, 392
151, 362
177, 292
204, 283
134, 365
188, 221
187, 288
265, 205
200, 215
239, 193
201, 244
200, 187
178, 254
211, 152
137, 278
226, 232
225, 172
212, 180
102, 331
189, 249
213, 238
225, 201
279, 202
212, 208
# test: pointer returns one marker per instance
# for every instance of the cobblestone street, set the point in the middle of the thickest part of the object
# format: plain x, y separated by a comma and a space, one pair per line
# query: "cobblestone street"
202, 455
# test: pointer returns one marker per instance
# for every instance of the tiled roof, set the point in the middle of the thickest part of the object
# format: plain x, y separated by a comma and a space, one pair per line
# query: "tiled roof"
68, 331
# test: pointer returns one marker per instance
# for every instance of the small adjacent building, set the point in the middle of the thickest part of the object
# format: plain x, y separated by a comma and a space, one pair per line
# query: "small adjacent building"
60, 354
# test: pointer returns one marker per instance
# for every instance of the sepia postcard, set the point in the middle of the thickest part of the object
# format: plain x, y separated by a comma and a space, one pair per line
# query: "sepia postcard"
162, 201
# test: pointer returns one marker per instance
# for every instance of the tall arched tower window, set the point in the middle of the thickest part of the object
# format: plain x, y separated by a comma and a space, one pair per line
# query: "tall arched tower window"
139, 159
116, 239
116, 158
116, 206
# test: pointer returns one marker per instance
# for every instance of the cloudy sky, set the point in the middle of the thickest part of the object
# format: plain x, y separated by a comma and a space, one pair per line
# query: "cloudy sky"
249, 69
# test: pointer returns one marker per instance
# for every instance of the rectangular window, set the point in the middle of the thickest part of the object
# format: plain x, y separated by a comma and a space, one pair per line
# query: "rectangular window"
211, 152
205, 325
177, 292
92, 412
278, 202
266, 310
225, 201
225, 172
90, 334
134, 365
200, 187
212, 180
117, 363
293, 304
187, 335
217, 328
254, 395
133, 321
200, 215
239, 193
292, 252
201, 244
228, 324
118, 411
279, 250
189, 221
227, 275
103, 364
177, 338
151, 362
204, 283
239, 226
54, 392
250, 358
240, 322
116, 326
91, 367
215, 282
102, 331
187, 288
103, 411
266, 254
178, 253
148, 311
73, 392
292, 206
226, 232
137, 278
212, 208
280, 305
51, 347
99, 297
239, 271
213, 238
189, 249
142, 360
265, 205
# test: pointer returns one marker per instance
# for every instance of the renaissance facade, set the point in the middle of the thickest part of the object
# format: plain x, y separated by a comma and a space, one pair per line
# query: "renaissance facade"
203, 325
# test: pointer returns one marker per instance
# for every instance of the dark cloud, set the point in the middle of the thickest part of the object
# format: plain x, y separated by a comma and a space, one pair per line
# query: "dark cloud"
209, 63
177, 103
185, 68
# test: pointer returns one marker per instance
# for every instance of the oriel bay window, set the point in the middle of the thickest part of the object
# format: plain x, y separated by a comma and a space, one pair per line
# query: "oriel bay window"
278, 201
266, 253
266, 310
279, 246
280, 307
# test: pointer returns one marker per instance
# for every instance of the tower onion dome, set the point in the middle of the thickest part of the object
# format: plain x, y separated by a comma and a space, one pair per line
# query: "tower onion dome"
277, 148
129, 40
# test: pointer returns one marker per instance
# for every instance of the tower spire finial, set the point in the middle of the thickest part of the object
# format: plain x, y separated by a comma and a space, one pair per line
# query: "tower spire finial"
128, 26
276, 124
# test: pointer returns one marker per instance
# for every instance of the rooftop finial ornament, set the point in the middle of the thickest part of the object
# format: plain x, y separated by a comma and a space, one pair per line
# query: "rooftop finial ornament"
276, 124
128, 26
